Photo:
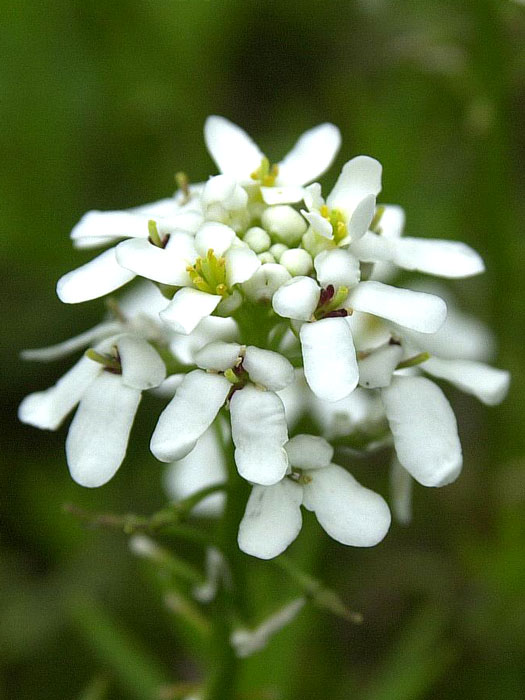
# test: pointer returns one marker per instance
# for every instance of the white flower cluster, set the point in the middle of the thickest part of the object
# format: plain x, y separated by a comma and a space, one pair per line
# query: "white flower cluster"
269, 302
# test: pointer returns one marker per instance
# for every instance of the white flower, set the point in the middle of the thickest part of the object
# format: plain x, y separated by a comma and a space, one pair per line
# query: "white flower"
249, 377
108, 396
326, 339
349, 208
237, 155
204, 466
104, 274
348, 512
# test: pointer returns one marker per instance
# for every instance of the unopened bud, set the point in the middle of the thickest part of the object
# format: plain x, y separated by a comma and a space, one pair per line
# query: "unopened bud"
297, 261
257, 238
284, 223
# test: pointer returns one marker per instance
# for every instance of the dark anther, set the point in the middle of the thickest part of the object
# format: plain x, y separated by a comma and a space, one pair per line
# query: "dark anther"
238, 370
339, 313
326, 295
394, 341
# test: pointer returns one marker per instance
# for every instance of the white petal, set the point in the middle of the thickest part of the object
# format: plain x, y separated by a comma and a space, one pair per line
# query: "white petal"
373, 248
347, 511
109, 225
266, 281
415, 310
461, 337
204, 466
361, 217
98, 435
487, 383
183, 222
142, 366
218, 356
437, 257
272, 519
188, 415
214, 236
359, 410
359, 178
219, 188
229, 304
184, 347
148, 260
282, 195
319, 224
424, 429
401, 492
55, 352
313, 197
259, 432
330, 364
309, 452
241, 265
268, 368
187, 308
231, 148
392, 221
47, 409
99, 276
311, 156
376, 369
297, 299
337, 267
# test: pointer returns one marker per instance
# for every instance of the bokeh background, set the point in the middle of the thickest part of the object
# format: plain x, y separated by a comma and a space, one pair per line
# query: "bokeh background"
102, 103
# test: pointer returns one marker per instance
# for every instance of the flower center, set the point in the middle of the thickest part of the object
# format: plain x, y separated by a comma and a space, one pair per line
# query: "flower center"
337, 220
266, 174
330, 303
110, 362
209, 274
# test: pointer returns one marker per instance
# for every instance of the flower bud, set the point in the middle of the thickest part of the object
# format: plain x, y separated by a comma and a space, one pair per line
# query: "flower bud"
265, 282
277, 250
266, 257
257, 238
284, 223
297, 261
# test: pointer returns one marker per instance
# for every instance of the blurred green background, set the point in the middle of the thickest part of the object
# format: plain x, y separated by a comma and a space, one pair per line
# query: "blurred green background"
102, 103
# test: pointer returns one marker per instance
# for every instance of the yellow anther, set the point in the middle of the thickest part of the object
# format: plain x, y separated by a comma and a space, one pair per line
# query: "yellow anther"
208, 274
266, 174
324, 211
340, 231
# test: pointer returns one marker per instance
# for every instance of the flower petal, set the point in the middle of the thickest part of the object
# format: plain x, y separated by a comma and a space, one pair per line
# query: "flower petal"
416, 310
436, 257
214, 236
309, 452
311, 156
241, 265
98, 435
272, 519
259, 432
142, 366
231, 148
319, 224
68, 347
288, 194
99, 276
47, 409
154, 263
488, 384
337, 267
188, 415
347, 511
204, 466
218, 356
297, 298
361, 217
424, 429
359, 178
268, 368
266, 281
376, 369
400, 492
330, 364
110, 225
187, 308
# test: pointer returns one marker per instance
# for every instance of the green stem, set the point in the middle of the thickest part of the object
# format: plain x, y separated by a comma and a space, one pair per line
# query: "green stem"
229, 603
